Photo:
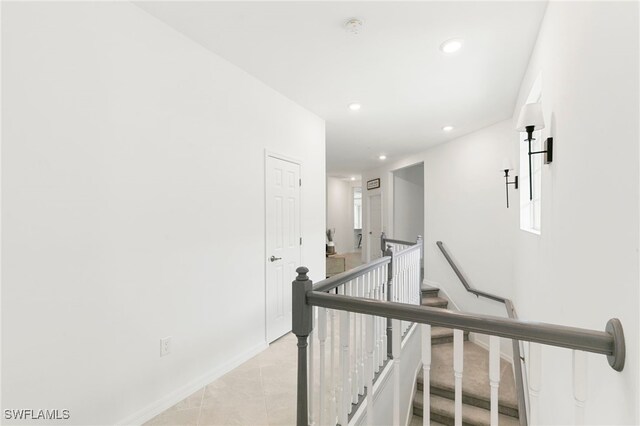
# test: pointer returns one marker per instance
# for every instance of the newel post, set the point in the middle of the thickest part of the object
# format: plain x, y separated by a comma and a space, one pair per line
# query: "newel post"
383, 243
389, 252
302, 324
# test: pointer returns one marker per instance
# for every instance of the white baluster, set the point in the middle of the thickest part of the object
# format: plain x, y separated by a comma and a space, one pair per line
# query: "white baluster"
353, 361
534, 381
426, 374
395, 350
369, 362
345, 403
375, 324
322, 339
333, 408
579, 385
383, 321
311, 371
458, 356
494, 376
361, 376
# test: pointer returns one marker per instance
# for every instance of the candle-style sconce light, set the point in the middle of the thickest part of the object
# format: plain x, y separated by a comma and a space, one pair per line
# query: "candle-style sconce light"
530, 120
506, 166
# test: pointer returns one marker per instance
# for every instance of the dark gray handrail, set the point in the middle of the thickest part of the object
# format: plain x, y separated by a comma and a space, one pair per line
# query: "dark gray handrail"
606, 342
609, 342
463, 280
406, 243
344, 277
511, 313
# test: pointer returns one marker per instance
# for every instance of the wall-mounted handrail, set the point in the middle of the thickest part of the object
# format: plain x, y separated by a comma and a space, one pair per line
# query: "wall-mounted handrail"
511, 313
463, 280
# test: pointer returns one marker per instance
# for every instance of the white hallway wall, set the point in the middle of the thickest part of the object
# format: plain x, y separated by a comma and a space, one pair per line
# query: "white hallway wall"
583, 269
133, 209
408, 203
340, 213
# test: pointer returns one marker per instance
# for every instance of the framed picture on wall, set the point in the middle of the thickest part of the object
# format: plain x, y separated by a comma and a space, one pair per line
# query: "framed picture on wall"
373, 184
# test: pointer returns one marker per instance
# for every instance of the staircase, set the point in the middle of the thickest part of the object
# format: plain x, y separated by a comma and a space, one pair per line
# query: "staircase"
475, 381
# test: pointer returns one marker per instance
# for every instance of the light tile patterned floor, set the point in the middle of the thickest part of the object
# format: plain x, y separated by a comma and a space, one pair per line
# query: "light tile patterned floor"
262, 391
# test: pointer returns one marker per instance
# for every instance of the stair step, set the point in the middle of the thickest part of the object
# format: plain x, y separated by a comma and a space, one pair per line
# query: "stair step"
475, 380
435, 302
417, 421
428, 291
441, 335
443, 411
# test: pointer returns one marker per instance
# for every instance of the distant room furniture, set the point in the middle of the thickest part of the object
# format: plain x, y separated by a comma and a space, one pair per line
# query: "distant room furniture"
335, 264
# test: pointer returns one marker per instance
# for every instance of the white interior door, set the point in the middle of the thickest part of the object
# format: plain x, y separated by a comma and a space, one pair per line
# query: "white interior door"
375, 225
283, 242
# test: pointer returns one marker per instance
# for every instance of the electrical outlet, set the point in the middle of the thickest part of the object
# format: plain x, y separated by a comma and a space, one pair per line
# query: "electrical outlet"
165, 346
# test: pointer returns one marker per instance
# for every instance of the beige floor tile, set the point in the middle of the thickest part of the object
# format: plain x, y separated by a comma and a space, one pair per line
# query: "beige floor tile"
185, 417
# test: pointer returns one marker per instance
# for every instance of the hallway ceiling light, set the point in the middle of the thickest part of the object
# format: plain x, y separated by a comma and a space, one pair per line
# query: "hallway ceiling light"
353, 26
447, 128
382, 157
451, 46
355, 106
352, 178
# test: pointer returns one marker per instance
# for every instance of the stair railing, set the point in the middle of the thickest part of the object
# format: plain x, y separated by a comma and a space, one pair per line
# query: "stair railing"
350, 349
517, 350
359, 298
406, 261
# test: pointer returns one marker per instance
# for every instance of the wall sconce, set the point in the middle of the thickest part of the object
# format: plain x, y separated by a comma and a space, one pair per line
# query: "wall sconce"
506, 166
530, 120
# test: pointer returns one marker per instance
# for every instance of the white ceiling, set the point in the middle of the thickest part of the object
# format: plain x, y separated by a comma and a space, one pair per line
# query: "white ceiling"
408, 89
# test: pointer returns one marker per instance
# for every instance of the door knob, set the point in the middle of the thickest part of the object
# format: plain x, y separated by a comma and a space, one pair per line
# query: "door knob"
273, 258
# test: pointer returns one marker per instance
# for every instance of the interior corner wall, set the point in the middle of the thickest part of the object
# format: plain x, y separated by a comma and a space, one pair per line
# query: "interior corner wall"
583, 269
133, 209
408, 203
340, 213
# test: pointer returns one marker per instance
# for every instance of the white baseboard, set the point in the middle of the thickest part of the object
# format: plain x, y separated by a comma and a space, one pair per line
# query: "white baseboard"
167, 401
444, 293
483, 342
413, 393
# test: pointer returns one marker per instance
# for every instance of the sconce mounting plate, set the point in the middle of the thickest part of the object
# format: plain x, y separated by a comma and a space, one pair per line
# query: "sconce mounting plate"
548, 150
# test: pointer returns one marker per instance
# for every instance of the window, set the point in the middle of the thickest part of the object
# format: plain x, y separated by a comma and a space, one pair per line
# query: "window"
530, 212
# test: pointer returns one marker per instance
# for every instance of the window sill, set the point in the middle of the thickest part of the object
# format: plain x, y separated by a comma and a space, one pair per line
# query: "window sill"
531, 231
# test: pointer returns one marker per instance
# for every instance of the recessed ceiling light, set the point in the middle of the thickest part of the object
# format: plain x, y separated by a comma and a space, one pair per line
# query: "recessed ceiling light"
447, 128
355, 106
451, 46
353, 26
352, 178
383, 157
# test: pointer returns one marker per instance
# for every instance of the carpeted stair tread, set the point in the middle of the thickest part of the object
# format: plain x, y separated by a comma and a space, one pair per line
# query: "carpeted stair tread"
475, 378
429, 291
440, 335
435, 302
443, 410
417, 421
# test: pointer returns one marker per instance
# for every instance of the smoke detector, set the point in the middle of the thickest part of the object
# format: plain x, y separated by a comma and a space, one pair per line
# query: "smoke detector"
353, 26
